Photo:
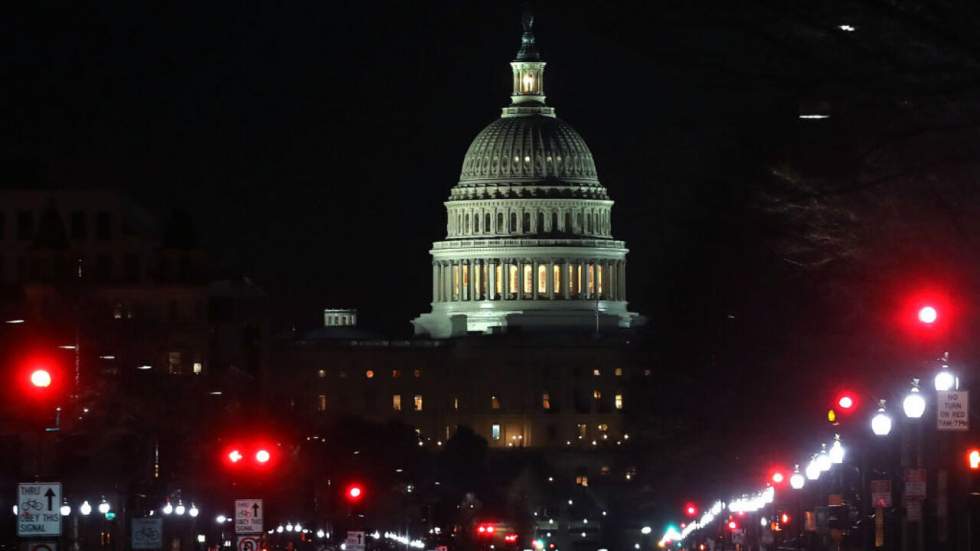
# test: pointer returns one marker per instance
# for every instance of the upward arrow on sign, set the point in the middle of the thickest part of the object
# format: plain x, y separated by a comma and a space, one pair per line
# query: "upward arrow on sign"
255, 509
50, 495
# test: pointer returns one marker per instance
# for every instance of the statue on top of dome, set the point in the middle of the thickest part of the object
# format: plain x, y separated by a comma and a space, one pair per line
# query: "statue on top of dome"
529, 50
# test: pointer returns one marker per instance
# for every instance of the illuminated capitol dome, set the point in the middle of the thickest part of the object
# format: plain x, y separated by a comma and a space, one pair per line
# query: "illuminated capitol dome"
529, 235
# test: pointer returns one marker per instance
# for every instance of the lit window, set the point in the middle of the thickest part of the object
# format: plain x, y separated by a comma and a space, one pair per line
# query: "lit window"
528, 280
582, 430
647, 372
369, 373
582, 480
174, 366
321, 402
546, 401
619, 401
604, 470
495, 431
494, 402
619, 372
542, 277
597, 394
417, 402
595, 372
418, 373
321, 373
455, 402
198, 367
395, 374
396, 402
603, 427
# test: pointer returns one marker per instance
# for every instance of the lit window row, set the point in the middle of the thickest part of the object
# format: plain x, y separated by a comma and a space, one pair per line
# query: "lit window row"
522, 279
592, 221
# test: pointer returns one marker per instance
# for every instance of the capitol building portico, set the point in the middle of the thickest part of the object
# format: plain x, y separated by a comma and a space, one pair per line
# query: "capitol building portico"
529, 235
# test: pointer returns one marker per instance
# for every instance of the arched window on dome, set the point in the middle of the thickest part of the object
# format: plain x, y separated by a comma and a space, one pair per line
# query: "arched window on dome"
500, 223
568, 222
459, 223
526, 223
486, 223
540, 226
580, 226
588, 222
476, 223
554, 222
466, 223
513, 222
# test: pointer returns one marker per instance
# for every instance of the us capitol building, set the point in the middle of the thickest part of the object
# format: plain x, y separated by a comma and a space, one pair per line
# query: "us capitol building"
529, 235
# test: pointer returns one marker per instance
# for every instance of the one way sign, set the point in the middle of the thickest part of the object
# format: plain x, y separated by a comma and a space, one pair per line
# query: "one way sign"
39, 509
248, 516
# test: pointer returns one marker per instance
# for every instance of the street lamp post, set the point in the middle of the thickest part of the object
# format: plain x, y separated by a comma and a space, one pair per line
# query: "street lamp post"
914, 406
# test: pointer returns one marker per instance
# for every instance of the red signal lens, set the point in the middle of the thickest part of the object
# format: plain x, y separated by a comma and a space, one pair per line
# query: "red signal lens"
41, 378
784, 518
732, 525
845, 401
354, 493
691, 509
778, 477
510, 538
235, 456
263, 456
928, 315
973, 459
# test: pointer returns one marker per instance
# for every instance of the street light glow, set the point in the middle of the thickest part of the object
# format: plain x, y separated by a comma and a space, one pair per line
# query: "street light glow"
104, 507
86, 508
797, 481
836, 451
914, 403
945, 380
881, 423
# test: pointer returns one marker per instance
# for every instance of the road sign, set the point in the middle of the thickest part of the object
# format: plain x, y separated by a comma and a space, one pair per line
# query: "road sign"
355, 541
38, 509
249, 543
147, 533
915, 484
881, 493
248, 516
953, 410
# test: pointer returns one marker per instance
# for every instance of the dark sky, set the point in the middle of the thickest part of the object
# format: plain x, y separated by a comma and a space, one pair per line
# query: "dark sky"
314, 143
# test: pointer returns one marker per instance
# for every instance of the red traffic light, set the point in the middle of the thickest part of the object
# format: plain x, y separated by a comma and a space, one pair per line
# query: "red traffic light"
777, 477
928, 314
263, 456
235, 456
785, 518
41, 378
732, 525
691, 509
354, 493
973, 459
846, 402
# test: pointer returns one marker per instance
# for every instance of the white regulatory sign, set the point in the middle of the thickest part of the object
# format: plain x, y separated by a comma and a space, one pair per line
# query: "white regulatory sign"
355, 541
248, 516
953, 410
38, 509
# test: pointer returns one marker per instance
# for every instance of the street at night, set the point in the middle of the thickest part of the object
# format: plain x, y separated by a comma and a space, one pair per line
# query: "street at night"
474, 276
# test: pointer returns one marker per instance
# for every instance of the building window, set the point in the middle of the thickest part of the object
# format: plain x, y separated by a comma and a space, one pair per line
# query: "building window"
198, 367
526, 223
618, 401
513, 280
174, 366
79, 230
582, 480
545, 401
321, 373
25, 225
528, 280
619, 372
542, 279
582, 430
500, 223
495, 431
596, 372
540, 225
494, 402
395, 374
455, 402
417, 402
603, 427
396, 402
604, 470
597, 394
486, 223
513, 222
455, 281
476, 223
103, 226
369, 373
418, 373
321, 402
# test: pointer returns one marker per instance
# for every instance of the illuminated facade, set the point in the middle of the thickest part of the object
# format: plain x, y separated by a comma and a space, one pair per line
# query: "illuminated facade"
529, 235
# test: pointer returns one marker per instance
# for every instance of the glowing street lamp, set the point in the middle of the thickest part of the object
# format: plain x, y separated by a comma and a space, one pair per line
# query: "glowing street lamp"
104, 506
914, 403
797, 480
945, 379
193, 511
823, 460
812, 469
168, 508
836, 451
881, 423
86, 508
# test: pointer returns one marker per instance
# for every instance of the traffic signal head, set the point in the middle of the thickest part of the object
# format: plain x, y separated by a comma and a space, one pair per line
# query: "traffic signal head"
41, 378
235, 456
846, 401
778, 477
354, 493
251, 457
691, 509
732, 525
262, 456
